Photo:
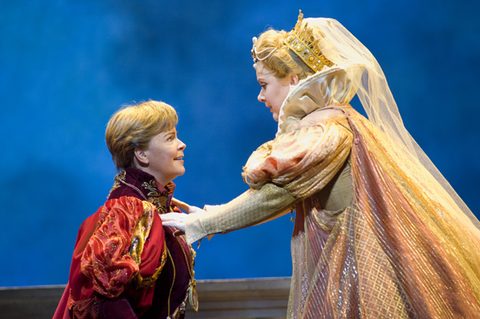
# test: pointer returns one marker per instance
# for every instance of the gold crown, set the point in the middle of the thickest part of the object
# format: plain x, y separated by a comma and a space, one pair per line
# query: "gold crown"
301, 41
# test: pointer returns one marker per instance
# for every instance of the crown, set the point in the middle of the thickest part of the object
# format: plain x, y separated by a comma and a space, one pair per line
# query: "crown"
301, 41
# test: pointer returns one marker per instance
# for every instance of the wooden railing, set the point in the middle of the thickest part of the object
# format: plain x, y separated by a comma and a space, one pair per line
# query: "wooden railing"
239, 298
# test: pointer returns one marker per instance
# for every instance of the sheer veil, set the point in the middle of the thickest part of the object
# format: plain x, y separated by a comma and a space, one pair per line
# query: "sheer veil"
341, 47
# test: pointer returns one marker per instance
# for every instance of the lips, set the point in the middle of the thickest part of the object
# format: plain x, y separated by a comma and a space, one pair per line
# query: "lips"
178, 158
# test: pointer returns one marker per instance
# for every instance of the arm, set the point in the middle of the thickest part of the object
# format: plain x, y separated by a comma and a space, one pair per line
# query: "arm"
250, 208
109, 259
286, 170
302, 161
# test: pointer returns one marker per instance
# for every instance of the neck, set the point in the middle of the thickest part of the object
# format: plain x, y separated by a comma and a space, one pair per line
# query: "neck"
158, 179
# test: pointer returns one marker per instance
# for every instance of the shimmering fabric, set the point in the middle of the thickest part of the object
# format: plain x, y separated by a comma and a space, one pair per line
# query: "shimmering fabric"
125, 262
106, 260
395, 252
335, 85
281, 172
306, 157
376, 235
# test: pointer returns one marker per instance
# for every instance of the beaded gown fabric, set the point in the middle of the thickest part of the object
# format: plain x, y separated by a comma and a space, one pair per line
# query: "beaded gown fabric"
397, 249
394, 252
379, 233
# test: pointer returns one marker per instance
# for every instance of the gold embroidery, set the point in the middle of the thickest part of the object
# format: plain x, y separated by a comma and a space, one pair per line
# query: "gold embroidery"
154, 200
192, 285
182, 307
141, 232
140, 235
147, 282
154, 196
119, 177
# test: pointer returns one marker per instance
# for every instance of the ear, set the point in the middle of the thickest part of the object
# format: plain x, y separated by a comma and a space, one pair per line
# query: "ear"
294, 79
140, 157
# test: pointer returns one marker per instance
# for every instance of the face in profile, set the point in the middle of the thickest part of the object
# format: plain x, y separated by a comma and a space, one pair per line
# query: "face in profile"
163, 157
273, 90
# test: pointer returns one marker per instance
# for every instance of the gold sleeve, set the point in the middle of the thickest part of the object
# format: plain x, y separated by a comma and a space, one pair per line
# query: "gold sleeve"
317, 154
329, 156
250, 208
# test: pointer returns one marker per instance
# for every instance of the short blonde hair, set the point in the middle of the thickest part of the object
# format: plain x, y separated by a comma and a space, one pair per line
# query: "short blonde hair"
133, 126
282, 62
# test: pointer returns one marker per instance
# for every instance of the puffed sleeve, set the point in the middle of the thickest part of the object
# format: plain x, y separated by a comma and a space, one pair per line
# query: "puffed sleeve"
107, 259
281, 172
302, 161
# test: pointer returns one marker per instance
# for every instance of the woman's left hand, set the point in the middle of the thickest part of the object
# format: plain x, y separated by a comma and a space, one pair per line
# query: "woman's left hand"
174, 220
185, 207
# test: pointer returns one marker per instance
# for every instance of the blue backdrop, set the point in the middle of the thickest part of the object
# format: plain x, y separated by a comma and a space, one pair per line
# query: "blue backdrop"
66, 66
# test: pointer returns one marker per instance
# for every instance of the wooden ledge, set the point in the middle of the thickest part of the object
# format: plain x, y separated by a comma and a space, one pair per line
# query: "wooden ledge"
238, 298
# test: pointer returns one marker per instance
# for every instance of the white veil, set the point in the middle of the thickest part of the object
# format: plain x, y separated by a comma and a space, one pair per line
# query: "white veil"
341, 47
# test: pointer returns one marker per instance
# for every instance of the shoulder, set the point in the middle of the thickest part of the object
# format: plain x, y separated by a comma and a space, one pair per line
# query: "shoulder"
128, 209
324, 115
320, 117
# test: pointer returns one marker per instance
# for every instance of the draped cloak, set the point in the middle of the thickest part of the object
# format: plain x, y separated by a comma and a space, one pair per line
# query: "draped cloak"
125, 263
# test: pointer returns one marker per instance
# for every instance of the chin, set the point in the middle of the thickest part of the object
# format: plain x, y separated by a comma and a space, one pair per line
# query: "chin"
181, 172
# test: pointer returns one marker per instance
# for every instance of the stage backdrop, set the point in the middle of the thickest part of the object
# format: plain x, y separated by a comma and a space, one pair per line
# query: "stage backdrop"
66, 66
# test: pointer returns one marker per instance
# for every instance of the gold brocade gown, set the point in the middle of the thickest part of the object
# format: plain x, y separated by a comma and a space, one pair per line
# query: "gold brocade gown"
375, 235
394, 252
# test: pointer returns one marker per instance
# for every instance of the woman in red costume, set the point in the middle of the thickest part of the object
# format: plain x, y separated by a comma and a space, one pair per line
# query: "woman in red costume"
379, 232
125, 263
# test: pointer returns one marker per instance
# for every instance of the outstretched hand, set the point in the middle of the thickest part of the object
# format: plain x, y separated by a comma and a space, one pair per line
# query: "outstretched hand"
178, 220
187, 208
174, 220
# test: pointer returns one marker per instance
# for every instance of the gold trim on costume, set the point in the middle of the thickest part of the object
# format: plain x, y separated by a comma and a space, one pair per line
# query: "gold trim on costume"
140, 235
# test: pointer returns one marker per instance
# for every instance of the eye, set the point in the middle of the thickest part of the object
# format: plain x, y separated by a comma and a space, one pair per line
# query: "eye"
263, 86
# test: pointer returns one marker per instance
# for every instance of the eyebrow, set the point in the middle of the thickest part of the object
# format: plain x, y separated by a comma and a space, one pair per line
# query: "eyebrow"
262, 77
168, 134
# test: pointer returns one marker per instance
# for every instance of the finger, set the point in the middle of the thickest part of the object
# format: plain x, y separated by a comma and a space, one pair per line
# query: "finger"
194, 209
168, 218
180, 204
178, 233
170, 223
167, 222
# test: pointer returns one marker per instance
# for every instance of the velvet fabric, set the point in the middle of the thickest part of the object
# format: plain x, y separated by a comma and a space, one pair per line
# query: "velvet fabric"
101, 282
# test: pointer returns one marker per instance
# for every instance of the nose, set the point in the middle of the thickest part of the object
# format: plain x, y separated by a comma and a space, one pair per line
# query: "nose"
181, 145
261, 97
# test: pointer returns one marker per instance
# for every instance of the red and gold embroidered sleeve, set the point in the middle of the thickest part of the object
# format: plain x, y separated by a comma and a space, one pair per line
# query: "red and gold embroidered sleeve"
106, 259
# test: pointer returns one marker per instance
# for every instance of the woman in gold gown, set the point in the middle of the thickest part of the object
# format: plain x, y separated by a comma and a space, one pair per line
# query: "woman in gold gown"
378, 231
